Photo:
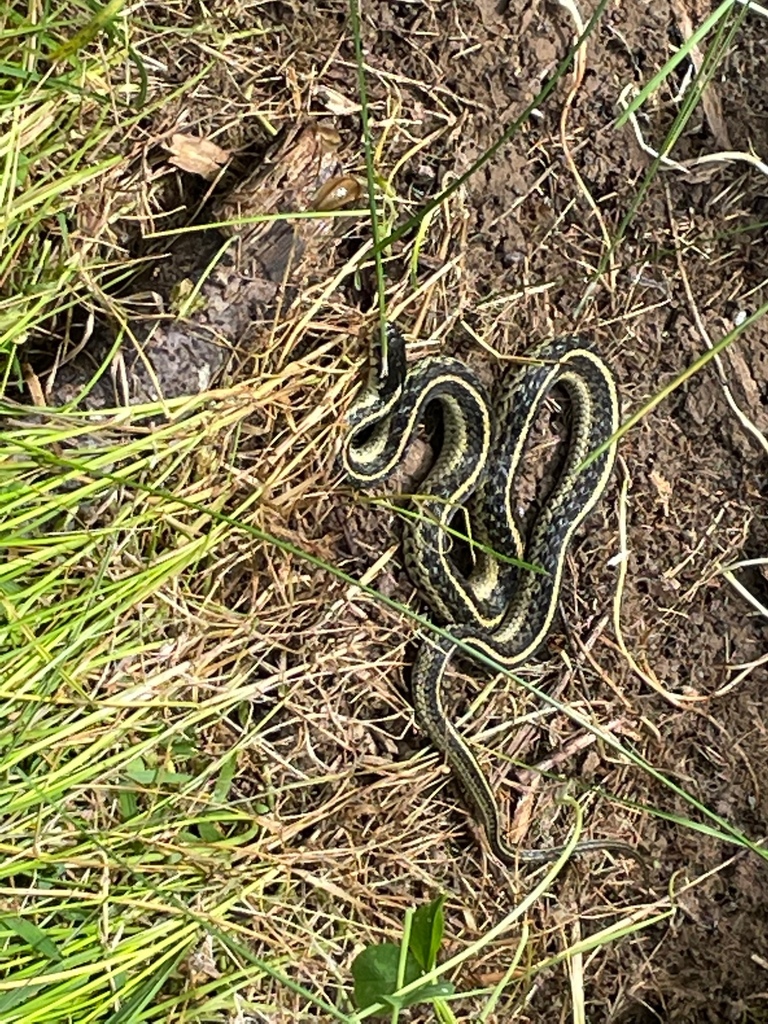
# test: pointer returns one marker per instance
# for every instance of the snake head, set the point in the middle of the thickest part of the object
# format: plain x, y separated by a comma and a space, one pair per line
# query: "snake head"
385, 382
392, 365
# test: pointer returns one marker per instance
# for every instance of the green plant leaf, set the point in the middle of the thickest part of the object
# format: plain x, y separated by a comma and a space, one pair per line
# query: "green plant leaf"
128, 803
224, 781
130, 1010
210, 832
427, 933
157, 777
32, 935
375, 973
423, 995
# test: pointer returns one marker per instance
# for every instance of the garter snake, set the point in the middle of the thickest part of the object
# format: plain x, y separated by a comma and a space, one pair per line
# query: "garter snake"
496, 608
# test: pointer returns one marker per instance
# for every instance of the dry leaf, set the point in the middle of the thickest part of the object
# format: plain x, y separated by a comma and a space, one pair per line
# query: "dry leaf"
33, 383
198, 156
336, 102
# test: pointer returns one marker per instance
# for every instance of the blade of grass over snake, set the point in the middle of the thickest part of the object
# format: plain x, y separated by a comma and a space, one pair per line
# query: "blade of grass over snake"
475, 545
256, 218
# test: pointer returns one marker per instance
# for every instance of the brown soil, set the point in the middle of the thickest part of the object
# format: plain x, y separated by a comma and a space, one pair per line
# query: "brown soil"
527, 242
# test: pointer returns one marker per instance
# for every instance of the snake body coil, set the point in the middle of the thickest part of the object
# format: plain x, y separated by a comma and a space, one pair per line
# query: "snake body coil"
496, 608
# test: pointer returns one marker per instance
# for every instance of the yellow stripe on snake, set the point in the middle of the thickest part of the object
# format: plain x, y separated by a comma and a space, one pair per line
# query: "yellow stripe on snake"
498, 609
